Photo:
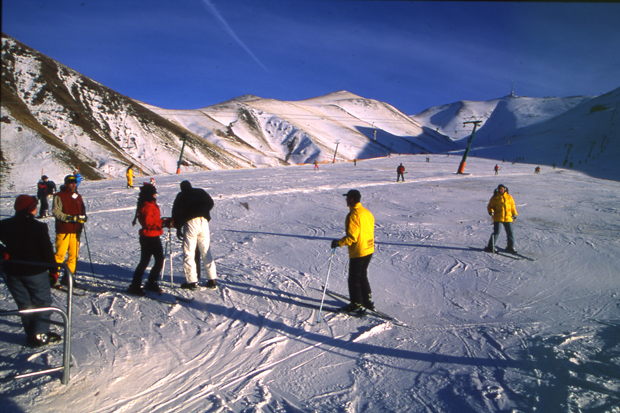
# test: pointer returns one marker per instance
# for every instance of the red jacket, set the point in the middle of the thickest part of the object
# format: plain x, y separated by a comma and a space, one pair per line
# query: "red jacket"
149, 217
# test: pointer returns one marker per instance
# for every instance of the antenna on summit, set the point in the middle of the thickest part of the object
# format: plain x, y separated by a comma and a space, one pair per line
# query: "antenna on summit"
512, 89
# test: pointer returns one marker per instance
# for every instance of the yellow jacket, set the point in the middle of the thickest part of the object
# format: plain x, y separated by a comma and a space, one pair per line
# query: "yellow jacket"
360, 229
502, 207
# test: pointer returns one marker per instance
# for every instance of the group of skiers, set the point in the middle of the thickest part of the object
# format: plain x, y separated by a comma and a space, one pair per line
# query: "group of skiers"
26, 240
29, 264
191, 213
27, 246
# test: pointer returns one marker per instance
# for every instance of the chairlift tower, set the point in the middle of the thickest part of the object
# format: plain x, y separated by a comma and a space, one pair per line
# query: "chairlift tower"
336, 151
181, 155
475, 122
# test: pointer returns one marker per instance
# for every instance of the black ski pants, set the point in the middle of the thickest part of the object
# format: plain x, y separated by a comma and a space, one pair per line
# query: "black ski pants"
149, 247
359, 287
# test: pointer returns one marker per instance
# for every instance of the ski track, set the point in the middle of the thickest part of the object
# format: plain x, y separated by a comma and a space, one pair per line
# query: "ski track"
484, 332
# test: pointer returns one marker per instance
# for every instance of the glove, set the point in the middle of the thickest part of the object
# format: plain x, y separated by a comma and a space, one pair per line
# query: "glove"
82, 218
53, 278
335, 244
167, 222
72, 218
4, 256
514, 218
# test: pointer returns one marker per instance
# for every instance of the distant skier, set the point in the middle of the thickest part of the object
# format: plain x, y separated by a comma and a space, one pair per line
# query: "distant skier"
503, 210
149, 216
360, 238
129, 176
78, 176
26, 239
70, 213
45, 188
400, 172
316, 165
537, 170
496, 169
191, 213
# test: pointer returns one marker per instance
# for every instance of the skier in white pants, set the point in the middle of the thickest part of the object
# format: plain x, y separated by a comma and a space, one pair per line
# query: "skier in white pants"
191, 213
196, 233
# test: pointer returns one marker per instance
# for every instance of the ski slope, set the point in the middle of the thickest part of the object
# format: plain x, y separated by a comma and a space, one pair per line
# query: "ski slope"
483, 332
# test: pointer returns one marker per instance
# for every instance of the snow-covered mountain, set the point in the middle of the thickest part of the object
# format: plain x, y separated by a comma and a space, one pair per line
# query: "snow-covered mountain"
575, 132
55, 120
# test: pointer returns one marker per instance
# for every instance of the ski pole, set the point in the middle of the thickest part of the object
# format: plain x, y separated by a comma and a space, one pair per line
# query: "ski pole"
318, 319
163, 267
92, 269
170, 255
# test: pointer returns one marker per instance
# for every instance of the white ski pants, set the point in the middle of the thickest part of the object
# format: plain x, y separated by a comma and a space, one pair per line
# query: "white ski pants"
196, 233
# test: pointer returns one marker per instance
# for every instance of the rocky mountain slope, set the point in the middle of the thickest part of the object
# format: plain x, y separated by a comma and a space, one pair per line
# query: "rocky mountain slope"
55, 120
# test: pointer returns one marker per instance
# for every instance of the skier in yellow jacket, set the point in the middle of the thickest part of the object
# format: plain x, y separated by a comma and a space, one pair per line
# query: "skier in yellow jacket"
129, 176
503, 210
360, 238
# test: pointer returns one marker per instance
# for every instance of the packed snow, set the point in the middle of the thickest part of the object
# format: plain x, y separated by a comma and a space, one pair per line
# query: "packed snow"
475, 331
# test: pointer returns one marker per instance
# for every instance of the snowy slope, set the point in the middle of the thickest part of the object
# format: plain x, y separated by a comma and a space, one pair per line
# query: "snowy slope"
305, 131
485, 333
579, 132
499, 117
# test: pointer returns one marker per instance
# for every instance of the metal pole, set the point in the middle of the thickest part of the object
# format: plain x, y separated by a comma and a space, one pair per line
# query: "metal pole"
66, 315
92, 269
318, 319
170, 255
471, 138
163, 267
336, 151
181, 156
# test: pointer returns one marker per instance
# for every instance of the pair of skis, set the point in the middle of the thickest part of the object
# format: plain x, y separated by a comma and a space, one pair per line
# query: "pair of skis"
346, 299
164, 297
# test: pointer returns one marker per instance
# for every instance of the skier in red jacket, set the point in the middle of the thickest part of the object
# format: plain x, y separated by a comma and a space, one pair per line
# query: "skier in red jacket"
400, 172
149, 216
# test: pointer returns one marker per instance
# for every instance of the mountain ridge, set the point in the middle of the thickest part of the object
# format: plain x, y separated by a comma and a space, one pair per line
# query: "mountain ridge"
55, 121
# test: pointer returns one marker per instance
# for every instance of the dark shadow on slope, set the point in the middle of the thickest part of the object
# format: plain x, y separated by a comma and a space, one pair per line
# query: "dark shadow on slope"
279, 295
308, 237
387, 143
567, 385
312, 338
104, 274
314, 238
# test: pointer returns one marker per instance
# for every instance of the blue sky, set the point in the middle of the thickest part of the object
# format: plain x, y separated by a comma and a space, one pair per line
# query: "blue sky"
188, 54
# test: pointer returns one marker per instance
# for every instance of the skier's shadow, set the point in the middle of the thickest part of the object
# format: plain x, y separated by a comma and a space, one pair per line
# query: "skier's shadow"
277, 295
314, 238
345, 344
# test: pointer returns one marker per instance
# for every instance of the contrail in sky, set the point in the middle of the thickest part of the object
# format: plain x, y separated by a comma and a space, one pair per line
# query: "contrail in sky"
231, 32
